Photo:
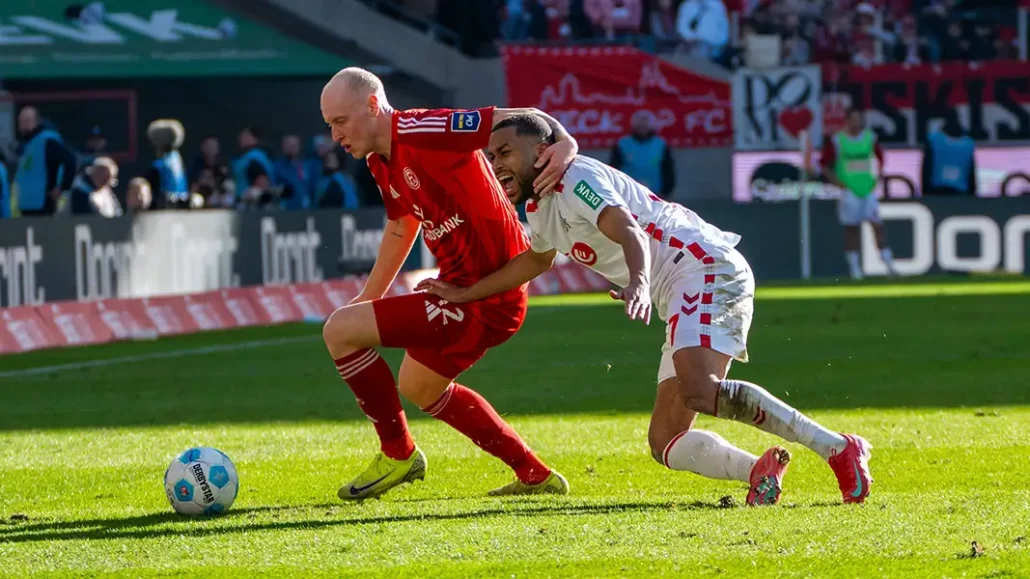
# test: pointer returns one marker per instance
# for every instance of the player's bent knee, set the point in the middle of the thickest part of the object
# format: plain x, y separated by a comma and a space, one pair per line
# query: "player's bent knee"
347, 329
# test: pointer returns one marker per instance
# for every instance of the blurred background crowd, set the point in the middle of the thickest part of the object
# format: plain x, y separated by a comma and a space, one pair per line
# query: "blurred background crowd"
729, 31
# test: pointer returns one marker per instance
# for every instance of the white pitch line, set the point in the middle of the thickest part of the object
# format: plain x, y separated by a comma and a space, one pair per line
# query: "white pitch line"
154, 356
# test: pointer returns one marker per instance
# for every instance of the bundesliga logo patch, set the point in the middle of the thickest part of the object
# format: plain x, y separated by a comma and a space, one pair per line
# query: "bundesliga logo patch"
465, 121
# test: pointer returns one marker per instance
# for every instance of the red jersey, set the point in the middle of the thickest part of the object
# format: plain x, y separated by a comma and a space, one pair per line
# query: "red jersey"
437, 172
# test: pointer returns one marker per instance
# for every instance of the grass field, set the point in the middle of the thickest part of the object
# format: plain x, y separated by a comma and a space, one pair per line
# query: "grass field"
937, 377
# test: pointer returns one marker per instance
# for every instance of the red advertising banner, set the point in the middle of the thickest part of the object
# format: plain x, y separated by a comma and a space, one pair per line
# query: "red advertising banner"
77, 323
243, 309
26, 330
126, 318
310, 298
170, 315
209, 312
990, 100
276, 303
340, 292
595, 91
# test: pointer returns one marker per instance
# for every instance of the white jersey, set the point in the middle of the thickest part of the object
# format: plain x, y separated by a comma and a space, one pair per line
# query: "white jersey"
567, 221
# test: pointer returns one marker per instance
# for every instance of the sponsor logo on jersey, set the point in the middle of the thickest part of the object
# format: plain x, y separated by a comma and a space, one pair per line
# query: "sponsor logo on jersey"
438, 310
411, 179
432, 232
583, 253
587, 194
465, 121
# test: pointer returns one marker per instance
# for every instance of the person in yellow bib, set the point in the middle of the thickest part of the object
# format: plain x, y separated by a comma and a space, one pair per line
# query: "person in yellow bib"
851, 160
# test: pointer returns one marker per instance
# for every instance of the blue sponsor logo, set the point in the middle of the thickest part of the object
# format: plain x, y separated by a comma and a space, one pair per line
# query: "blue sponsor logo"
465, 121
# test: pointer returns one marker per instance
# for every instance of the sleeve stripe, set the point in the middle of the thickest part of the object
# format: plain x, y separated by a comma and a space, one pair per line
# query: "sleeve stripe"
409, 122
439, 129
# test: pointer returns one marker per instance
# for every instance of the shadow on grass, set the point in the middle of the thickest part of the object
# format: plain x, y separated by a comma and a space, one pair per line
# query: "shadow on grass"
158, 525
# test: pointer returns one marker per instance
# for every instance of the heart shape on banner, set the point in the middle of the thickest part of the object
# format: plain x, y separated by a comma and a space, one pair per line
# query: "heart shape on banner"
796, 119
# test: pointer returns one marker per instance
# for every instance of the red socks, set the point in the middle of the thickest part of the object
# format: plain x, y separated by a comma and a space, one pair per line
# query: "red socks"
371, 380
470, 414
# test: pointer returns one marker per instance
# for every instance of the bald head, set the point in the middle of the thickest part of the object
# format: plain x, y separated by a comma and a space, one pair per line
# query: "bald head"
357, 80
354, 106
28, 120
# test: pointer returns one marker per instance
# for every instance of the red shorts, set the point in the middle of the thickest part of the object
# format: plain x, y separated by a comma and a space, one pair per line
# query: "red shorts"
444, 337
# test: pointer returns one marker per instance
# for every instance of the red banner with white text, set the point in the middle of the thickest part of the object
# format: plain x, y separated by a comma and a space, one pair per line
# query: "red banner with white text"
595, 92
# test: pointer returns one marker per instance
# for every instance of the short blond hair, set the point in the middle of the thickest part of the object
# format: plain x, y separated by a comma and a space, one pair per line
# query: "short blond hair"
360, 80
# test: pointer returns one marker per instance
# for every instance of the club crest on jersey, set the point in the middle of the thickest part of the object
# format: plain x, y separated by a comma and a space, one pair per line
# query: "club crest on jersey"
465, 121
583, 253
411, 179
587, 194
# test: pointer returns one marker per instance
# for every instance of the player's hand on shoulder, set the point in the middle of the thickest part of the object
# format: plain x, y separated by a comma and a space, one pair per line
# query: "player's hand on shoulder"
555, 160
447, 291
638, 301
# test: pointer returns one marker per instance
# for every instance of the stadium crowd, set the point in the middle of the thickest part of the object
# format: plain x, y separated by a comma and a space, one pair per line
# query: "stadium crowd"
45, 174
848, 31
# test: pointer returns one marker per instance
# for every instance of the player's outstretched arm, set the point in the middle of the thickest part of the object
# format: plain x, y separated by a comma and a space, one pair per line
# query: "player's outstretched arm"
526, 266
617, 224
398, 238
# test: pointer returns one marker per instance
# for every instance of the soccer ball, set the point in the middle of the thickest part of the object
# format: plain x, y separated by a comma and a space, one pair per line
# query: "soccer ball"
201, 481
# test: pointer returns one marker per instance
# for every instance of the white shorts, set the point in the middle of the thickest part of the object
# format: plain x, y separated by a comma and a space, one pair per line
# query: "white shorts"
855, 210
709, 306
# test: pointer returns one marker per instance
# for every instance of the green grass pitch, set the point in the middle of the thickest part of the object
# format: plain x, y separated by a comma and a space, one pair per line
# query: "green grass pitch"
935, 375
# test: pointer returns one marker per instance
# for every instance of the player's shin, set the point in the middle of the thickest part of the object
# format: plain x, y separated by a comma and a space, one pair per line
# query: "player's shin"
751, 404
470, 414
709, 455
374, 387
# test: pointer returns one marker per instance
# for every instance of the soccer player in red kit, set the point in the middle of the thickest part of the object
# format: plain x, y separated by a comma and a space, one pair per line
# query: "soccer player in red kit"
433, 177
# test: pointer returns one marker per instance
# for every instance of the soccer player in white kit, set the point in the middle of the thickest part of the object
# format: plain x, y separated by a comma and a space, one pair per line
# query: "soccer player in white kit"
703, 289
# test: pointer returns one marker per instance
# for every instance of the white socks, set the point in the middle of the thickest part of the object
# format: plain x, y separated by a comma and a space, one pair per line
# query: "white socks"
854, 267
709, 455
751, 404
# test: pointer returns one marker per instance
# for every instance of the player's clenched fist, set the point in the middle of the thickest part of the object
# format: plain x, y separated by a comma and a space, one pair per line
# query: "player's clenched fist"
638, 301
447, 291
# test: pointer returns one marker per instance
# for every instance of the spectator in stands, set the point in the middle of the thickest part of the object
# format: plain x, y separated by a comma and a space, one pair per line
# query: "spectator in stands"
525, 20
983, 42
91, 192
949, 162
614, 18
956, 46
705, 25
139, 196
336, 188
295, 174
662, 24
167, 174
645, 156
796, 49
96, 146
579, 24
210, 175
5, 190
911, 48
254, 173
46, 167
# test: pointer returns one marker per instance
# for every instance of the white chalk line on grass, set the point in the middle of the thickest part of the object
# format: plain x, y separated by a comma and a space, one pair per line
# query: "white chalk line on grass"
155, 356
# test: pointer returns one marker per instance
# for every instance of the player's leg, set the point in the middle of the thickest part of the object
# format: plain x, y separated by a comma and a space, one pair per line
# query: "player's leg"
351, 333
872, 215
849, 213
678, 446
707, 339
426, 379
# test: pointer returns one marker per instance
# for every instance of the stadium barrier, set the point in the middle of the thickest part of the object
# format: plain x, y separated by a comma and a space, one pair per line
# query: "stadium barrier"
71, 323
72, 281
